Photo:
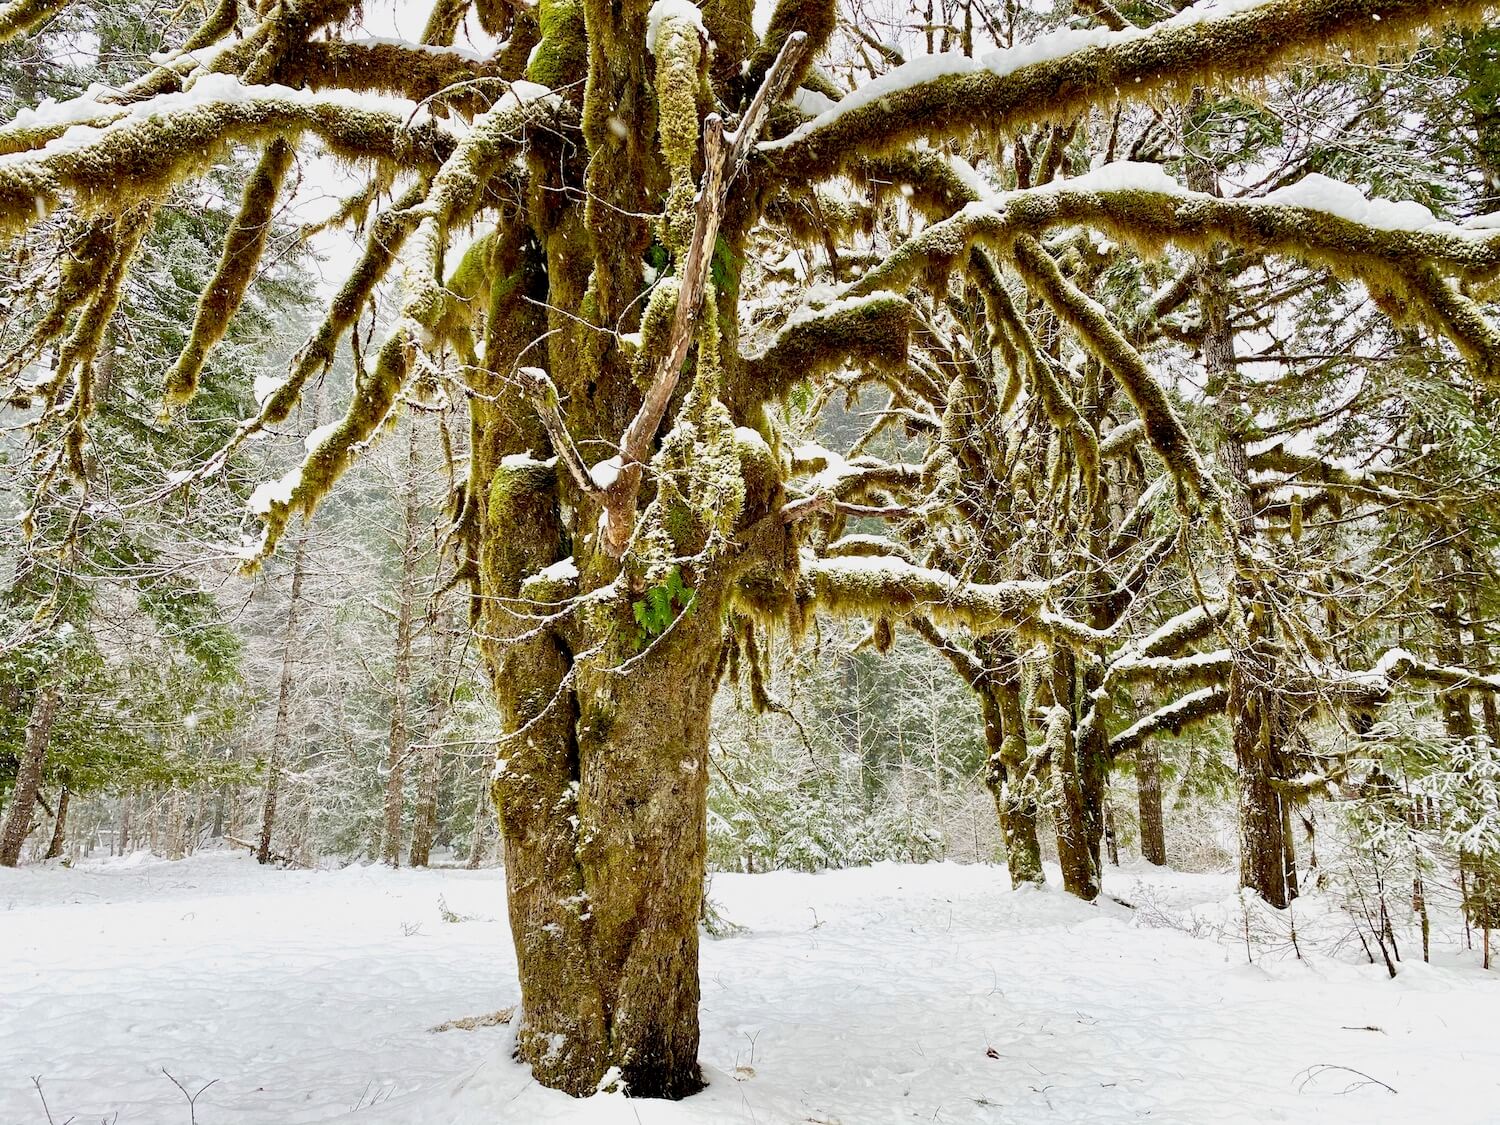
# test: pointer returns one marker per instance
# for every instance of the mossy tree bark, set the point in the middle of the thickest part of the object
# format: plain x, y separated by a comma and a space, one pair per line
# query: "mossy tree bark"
1006, 771
1266, 855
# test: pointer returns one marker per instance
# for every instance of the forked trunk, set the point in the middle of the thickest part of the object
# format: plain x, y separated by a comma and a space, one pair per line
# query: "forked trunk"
1076, 843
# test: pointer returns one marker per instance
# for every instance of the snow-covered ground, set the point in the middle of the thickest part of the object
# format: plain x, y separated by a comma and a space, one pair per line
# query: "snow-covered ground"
889, 994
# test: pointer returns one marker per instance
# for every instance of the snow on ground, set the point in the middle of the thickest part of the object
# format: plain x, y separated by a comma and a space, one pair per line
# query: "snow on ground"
889, 994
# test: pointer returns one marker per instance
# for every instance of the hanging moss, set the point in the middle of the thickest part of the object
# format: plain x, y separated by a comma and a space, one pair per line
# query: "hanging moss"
237, 267
874, 331
1164, 431
679, 55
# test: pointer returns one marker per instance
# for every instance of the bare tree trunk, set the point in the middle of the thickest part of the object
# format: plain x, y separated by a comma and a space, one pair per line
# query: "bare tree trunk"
18, 816
395, 762
424, 822
59, 825
126, 804
481, 821
1148, 802
176, 825
281, 735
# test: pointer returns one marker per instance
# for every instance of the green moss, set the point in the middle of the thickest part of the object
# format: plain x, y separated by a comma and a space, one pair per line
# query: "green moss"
237, 267
1246, 44
561, 57
679, 56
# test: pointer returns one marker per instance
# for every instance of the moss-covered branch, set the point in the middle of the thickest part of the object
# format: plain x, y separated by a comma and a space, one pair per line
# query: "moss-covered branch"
405, 70
890, 588
873, 330
1150, 219
20, 16
1174, 718
998, 95
237, 268
161, 142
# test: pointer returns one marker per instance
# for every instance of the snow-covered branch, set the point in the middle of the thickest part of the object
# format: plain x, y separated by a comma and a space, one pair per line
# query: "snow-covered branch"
1063, 74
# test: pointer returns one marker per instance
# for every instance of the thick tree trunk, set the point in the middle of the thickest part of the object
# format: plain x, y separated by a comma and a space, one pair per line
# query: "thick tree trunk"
59, 825
406, 595
604, 812
18, 816
281, 734
1148, 803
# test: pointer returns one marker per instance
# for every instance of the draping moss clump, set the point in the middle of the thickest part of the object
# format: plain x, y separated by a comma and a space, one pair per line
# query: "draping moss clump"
679, 85
237, 267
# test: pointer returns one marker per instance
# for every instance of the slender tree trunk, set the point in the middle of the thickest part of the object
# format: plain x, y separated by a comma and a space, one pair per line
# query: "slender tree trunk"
18, 816
1006, 774
1148, 802
481, 822
1075, 850
176, 825
395, 778
126, 804
1111, 837
281, 735
59, 825
424, 821
1253, 706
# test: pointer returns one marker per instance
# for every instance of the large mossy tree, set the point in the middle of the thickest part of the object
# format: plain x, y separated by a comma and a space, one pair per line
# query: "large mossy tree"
569, 216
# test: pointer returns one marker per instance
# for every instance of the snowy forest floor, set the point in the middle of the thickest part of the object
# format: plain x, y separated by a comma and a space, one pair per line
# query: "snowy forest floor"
886, 994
